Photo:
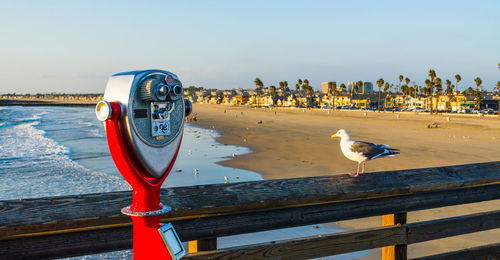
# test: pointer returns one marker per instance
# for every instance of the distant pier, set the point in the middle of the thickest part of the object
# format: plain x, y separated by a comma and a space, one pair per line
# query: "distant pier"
48, 102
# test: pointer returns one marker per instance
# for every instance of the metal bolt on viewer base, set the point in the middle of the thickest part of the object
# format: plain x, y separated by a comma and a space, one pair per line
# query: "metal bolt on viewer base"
143, 114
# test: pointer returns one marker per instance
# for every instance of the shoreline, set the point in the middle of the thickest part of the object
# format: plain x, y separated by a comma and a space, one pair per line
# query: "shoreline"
293, 143
299, 142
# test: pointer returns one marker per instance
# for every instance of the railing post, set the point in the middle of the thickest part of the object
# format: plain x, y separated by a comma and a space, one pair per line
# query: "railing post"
202, 245
397, 252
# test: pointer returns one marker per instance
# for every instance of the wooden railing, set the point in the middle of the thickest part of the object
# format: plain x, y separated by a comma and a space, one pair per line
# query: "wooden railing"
92, 223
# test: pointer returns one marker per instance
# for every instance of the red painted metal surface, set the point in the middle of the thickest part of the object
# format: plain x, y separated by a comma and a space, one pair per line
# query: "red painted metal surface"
148, 243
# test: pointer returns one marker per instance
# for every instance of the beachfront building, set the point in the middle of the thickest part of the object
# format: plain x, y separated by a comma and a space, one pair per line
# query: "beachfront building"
443, 103
324, 87
457, 101
289, 101
343, 100
261, 100
361, 103
326, 100
418, 103
388, 101
367, 88
242, 99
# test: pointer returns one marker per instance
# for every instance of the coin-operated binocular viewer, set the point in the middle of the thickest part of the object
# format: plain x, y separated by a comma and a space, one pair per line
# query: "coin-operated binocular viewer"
143, 113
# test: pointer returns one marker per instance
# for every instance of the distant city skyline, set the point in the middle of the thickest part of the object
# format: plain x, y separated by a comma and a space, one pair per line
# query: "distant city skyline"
74, 46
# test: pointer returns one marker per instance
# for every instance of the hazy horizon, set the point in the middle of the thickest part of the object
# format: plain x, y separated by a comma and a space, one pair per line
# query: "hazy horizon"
74, 46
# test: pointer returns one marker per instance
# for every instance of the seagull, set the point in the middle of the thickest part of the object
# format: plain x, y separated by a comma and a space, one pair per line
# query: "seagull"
362, 151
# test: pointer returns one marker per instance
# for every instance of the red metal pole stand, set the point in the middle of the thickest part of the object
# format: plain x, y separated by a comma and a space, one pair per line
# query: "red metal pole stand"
146, 208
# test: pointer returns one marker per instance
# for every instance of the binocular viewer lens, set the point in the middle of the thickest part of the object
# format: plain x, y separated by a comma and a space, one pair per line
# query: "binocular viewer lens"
156, 90
162, 92
103, 110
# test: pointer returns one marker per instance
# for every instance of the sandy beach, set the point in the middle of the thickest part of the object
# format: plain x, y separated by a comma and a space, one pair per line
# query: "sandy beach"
289, 143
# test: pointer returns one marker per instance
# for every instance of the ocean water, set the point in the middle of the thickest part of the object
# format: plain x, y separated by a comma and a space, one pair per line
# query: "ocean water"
55, 151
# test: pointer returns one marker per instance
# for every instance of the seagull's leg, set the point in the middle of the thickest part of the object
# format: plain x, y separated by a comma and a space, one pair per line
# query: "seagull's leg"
362, 168
354, 175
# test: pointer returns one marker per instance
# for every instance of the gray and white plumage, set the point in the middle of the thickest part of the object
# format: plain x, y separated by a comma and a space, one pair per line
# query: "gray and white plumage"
362, 151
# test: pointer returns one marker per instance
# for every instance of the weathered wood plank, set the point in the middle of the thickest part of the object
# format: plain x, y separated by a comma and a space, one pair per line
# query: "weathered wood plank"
435, 229
394, 252
254, 221
311, 247
67, 244
231, 224
18, 217
223, 225
351, 241
489, 252
195, 246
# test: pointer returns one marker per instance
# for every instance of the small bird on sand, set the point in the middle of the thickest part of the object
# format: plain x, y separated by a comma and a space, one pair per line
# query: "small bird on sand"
362, 151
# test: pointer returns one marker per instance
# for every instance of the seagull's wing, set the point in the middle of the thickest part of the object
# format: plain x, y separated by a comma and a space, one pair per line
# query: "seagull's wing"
372, 151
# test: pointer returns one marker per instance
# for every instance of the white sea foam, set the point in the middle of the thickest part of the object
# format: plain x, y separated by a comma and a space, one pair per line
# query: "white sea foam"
32, 117
39, 166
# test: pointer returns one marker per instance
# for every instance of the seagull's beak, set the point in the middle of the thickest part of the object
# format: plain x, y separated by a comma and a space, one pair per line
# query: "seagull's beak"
333, 136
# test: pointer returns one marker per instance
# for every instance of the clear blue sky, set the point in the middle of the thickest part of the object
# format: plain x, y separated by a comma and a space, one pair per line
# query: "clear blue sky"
74, 46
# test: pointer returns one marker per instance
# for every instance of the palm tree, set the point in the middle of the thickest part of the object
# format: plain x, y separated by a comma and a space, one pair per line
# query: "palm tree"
332, 90
354, 90
407, 80
380, 82
448, 83
478, 81
273, 90
258, 83
400, 80
359, 84
479, 97
306, 82
439, 86
439, 89
432, 75
405, 89
430, 86
342, 87
285, 83
458, 78
298, 86
305, 86
449, 88
310, 92
386, 87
